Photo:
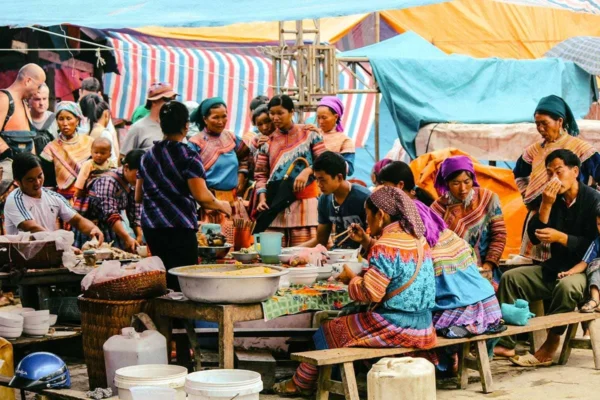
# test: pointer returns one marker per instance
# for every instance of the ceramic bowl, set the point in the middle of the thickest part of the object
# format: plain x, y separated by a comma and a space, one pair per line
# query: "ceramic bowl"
324, 272
41, 331
11, 320
36, 320
285, 258
340, 255
355, 266
53, 319
20, 311
10, 333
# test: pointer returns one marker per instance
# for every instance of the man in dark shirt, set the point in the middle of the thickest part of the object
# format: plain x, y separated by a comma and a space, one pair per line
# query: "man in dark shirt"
341, 204
567, 220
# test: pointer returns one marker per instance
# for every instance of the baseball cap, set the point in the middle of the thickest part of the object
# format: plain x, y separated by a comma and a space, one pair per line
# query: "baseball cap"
159, 90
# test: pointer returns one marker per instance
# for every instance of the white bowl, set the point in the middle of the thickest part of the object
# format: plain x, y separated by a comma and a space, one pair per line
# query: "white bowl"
355, 266
20, 311
33, 313
293, 250
304, 279
11, 320
36, 331
53, 319
324, 272
36, 319
10, 333
340, 255
285, 258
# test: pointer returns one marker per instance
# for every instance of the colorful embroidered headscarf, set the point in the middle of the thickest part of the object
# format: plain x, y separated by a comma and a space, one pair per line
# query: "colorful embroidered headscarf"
69, 106
396, 203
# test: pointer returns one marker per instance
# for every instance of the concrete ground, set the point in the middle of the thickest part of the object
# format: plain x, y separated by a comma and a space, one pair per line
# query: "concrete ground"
576, 380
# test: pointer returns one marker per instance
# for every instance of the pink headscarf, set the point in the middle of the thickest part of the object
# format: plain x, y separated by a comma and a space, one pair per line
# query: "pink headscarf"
379, 165
450, 166
336, 105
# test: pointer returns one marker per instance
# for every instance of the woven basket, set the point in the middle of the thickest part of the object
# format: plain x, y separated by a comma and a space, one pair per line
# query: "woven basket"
101, 319
47, 257
146, 285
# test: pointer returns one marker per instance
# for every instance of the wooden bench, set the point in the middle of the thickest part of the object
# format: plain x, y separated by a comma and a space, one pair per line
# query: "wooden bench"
326, 359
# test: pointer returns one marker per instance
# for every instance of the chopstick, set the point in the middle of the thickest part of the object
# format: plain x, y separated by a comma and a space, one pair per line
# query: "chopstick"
341, 234
346, 238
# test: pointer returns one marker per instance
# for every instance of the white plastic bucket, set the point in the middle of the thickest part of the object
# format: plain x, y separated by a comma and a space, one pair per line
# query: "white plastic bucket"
165, 376
223, 384
152, 393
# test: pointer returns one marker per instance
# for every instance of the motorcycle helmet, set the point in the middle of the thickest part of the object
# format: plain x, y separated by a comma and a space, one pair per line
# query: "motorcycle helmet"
41, 371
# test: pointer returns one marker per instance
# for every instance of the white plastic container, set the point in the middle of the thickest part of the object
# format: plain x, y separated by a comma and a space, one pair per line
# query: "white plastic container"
152, 393
131, 348
223, 384
403, 378
165, 376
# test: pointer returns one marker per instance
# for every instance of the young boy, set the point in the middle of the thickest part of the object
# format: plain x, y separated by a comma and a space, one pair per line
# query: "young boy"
591, 265
100, 162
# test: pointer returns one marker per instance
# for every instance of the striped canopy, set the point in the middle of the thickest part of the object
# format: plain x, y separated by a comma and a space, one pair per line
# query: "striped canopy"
237, 74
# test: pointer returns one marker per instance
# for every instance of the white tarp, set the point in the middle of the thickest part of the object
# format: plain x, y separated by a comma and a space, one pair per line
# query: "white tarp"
498, 142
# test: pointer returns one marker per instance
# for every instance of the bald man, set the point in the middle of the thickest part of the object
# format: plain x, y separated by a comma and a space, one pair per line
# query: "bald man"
28, 82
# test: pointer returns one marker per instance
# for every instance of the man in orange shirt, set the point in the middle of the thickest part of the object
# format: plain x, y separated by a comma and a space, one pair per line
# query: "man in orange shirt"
28, 82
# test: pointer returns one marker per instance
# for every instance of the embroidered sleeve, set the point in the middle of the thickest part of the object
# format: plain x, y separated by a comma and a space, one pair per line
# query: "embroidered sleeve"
262, 170
243, 154
373, 285
317, 145
497, 232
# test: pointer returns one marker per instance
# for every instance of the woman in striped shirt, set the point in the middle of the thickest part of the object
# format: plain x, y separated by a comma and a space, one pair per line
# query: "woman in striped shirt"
171, 179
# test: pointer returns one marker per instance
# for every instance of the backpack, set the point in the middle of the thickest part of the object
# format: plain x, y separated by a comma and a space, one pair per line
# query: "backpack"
17, 141
43, 136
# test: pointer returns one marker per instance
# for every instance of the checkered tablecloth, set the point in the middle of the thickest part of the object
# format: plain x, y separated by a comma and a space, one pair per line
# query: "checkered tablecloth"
321, 296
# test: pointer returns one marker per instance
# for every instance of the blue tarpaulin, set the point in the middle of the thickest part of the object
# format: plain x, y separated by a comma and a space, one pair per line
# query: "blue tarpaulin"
116, 14
420, 84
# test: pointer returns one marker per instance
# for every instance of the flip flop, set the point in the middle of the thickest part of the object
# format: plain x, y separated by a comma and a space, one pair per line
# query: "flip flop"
529, 360
281, 390
589, 307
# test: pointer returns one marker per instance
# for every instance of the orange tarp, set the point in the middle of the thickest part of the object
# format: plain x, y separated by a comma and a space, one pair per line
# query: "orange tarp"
485, 28
331, 30
499, 180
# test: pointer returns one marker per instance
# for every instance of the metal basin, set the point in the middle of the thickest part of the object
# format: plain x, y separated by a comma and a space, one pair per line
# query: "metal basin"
213, 253
227, 289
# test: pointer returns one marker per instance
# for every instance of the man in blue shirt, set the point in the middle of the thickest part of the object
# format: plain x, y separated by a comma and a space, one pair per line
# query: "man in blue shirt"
341, 204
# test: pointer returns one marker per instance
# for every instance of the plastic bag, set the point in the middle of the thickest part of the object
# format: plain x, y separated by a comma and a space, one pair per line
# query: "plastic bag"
112, 269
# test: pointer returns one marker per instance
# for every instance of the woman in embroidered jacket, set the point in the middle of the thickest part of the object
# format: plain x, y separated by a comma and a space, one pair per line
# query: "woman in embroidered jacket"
69, 150
223, 155
473, 213
329, 116
289, 142
398, 284
557, 125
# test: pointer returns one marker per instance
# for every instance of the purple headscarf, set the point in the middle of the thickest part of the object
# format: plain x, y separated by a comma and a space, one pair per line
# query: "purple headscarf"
336, 105
434, 224
396, 203
450, 166
379, 165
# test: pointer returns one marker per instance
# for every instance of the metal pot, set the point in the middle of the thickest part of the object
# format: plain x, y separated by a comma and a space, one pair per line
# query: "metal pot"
227, 289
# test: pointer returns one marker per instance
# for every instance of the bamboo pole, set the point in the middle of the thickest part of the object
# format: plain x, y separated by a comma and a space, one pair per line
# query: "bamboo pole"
377, 96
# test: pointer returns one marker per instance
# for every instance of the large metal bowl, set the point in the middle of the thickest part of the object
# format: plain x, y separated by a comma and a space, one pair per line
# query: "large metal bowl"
213, 252
227, 289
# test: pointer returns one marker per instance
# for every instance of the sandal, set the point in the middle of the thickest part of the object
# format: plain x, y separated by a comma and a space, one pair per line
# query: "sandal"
589, 307
529, 360
281, 389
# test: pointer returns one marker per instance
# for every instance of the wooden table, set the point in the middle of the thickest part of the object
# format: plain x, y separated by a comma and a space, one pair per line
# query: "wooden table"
225, 315
34, 286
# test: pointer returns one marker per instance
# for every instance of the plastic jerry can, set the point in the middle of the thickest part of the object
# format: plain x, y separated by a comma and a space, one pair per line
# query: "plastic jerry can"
131, 348
403, 378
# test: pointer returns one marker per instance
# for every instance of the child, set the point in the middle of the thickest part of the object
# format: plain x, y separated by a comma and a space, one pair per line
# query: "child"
100, 162
591, 265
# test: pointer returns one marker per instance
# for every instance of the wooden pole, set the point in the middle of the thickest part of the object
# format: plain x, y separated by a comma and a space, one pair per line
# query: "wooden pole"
377, 96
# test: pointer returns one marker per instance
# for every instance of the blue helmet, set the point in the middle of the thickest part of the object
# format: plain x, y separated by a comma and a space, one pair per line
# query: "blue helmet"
41, 371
